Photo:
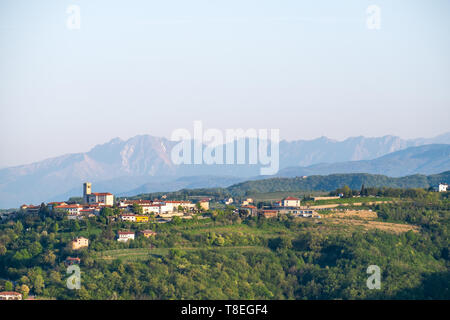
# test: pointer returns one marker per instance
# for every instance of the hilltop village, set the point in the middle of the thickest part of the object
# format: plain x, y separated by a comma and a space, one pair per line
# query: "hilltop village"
162, 210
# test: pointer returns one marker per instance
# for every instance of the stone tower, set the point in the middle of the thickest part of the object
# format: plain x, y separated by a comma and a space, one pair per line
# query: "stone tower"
86, 191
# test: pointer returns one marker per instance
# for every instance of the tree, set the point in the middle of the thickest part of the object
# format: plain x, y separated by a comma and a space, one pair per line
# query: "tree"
219, 241
176, 220
24, 290
35, 248
55, 227
49, 258
347, 192
43, 210
18, 227
38, 284
8, 286
363, 191
106, 212
137, 209
108, 233
75, 226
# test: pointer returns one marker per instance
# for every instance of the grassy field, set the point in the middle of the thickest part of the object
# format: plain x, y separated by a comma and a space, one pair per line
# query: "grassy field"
143, 253
273, 231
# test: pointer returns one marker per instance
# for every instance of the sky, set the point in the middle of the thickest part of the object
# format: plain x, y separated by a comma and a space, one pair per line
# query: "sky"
308, 68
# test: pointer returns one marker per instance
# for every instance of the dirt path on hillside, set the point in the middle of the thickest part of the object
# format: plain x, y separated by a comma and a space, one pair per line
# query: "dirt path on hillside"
335, 205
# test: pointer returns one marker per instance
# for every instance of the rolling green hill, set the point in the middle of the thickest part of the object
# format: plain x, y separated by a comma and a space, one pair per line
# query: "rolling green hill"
311, 183
334, 181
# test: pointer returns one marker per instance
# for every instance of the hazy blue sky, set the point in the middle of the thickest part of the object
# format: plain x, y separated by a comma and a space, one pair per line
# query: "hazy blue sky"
309, 68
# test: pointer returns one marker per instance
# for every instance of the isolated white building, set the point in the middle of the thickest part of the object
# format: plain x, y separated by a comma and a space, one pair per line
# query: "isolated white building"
443, 187
124, 236
288, 202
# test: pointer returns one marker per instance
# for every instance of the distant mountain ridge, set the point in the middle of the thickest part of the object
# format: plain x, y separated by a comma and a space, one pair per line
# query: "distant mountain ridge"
120, 166
427, 159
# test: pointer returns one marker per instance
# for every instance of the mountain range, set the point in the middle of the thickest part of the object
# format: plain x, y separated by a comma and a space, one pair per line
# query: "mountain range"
143, 164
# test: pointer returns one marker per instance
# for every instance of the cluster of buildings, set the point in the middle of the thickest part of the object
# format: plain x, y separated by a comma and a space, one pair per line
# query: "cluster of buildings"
288, 205
93, 202
163, 207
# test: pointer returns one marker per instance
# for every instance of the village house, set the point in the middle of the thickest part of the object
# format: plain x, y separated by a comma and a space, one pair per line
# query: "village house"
204, 204
146, 205
29, 208
70, 209
141, 218
228, 201
124, 236
79, 243
52, 205
10, 295
174, 205
70, 261
157, 208
128, 217
288, 202
269, 213
249, 209
90, 211
443, 187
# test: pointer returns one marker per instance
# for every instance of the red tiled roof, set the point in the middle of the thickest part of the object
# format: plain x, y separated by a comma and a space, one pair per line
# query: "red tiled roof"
73, 259
291, 198
10, 293
148, 231
80, 238
29, 206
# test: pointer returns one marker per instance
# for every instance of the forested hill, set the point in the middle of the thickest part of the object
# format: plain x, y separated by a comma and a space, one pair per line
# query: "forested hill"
334, 181
311, 183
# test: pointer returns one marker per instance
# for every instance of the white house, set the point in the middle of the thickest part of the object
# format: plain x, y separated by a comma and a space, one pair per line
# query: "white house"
173, 205
128, 217
288, 202
124, 236
443, 187
72, 209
